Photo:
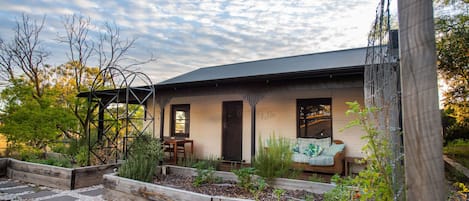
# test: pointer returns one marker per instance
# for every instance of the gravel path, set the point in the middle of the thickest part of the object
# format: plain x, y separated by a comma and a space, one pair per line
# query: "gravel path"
17, 190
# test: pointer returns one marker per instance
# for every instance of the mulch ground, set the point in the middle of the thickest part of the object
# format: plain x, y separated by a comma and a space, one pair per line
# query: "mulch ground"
232, 190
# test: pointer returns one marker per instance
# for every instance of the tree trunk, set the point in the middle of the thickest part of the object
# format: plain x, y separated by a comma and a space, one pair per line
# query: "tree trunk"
423, 146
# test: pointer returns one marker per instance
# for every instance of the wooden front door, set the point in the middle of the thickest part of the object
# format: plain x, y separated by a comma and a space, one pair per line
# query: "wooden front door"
232, 126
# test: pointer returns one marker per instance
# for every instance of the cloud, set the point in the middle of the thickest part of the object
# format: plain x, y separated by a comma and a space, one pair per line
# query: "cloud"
185, 34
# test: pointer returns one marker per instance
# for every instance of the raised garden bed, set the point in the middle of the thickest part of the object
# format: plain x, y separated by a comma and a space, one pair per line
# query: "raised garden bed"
3, 166
56, 177
175, 183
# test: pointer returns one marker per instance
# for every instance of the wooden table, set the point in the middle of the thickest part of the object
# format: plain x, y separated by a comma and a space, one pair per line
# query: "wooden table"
175, 142
348, 161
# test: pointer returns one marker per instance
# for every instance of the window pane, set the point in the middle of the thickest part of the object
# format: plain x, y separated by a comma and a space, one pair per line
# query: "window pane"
314, 118
180, 128
180, 114
180, 120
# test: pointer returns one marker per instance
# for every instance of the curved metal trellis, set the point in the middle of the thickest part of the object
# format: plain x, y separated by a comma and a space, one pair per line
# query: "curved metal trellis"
118, 113
382, 89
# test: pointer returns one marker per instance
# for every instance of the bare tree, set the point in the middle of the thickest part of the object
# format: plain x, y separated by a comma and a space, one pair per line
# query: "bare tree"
24, 54
6, 60
112, 50
109, 50
80, 48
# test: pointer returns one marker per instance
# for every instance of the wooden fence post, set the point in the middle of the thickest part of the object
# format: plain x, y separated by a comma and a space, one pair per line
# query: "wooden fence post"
423, 147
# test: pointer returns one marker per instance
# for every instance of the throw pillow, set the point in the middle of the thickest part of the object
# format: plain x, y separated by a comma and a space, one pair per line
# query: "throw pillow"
313, 150
333, 149
296, 148
323, 142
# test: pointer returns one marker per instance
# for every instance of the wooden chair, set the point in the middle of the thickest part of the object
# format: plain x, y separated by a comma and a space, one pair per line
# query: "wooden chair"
181, 148
167, 148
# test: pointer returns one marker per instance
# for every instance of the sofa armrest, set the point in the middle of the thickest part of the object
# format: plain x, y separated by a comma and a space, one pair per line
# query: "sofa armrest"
339, 157
338, 141
339, 161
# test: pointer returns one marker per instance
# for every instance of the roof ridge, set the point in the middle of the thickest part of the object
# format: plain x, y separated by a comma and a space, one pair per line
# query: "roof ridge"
286, 57
305, 62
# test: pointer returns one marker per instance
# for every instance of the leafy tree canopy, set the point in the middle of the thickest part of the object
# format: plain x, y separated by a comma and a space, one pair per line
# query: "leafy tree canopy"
453, 59
33, 121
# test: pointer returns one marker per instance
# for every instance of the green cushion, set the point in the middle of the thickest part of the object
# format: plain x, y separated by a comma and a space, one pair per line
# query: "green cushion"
296, 148
313, 150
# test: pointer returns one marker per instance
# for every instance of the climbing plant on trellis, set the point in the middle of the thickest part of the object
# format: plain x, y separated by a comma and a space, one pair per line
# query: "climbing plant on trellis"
382, 90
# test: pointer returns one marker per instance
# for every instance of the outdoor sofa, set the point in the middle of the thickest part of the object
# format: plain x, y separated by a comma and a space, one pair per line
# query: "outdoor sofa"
319, 155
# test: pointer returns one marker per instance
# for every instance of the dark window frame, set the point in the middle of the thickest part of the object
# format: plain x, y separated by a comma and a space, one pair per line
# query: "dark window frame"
311, 101
180, 107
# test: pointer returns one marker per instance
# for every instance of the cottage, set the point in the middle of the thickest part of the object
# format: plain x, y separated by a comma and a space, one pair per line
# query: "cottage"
225, 109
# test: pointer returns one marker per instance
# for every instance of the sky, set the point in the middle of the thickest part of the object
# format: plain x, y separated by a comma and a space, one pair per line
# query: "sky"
184, 35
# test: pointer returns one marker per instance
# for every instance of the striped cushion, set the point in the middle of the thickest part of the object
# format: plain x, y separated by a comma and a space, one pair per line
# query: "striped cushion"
321, 160
300, 158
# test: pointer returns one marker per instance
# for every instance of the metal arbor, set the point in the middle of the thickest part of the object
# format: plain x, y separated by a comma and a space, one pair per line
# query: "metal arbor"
118, 113
382, 90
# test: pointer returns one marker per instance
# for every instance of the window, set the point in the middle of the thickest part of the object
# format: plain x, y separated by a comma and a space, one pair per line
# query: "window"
314, 118
180, 120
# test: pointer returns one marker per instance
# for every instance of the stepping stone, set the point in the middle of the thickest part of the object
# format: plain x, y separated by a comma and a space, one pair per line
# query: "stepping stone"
38, 194
94, 192
62, 198
17, 190
9, 184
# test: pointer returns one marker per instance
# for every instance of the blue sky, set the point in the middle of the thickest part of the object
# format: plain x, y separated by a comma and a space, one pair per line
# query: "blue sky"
185, 35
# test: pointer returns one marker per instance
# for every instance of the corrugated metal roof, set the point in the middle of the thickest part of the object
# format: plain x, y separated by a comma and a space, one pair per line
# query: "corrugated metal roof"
301, 63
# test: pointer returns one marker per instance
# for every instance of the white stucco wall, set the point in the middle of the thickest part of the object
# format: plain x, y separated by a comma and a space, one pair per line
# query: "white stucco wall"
276, 113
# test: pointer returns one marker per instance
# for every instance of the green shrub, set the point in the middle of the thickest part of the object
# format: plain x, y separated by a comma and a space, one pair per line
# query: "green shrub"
279, 193
275, 159
55, 161
245, 177
375, 181
188, 161
81, 158
295, 174
211, 161
205, 174
34, 155
27, 153
259, 186
316, 178
341, 192
59, 148
143, 160
457, 147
